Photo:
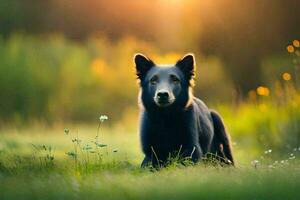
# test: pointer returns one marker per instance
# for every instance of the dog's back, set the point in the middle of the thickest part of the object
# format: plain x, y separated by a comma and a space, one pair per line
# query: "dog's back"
213, 137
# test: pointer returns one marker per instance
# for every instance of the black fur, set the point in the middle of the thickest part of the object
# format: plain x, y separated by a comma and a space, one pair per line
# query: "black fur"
173, 121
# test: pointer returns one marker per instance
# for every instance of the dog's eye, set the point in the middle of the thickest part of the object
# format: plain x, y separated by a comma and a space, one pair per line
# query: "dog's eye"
153, 80
174, 79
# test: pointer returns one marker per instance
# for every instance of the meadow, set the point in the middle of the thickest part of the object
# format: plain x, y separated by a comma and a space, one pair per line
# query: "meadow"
102, 162
65, 134
69, 107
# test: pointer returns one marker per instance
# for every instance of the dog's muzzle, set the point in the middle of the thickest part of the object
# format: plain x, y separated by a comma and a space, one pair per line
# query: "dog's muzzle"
163, 98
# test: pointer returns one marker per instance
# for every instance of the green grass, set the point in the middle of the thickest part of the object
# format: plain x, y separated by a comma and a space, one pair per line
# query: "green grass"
128, 182
27, 173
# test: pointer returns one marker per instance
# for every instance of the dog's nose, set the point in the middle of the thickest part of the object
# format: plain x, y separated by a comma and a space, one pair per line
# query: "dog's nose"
163, 95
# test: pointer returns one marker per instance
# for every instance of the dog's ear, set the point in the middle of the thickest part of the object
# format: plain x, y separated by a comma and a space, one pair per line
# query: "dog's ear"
142, 64
187, 65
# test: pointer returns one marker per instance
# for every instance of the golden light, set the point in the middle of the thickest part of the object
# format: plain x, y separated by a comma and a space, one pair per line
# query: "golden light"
168, 58
290, 48
286, 76
98, 66
263, 91
172, 1
296, 43
260, 90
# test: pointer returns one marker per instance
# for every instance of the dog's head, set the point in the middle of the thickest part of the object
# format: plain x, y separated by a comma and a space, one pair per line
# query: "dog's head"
165, 85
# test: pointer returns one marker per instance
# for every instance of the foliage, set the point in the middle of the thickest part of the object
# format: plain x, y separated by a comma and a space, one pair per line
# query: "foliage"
53, 79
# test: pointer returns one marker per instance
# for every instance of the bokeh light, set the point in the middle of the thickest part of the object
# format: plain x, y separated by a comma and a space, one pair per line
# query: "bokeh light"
263, 91
290, 48
296, 43
286, 76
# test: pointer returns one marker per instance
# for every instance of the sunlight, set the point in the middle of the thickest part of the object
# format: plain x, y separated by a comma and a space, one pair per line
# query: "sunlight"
98, 66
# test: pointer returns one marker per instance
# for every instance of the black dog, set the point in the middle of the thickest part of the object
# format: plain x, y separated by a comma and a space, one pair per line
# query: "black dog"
173, 121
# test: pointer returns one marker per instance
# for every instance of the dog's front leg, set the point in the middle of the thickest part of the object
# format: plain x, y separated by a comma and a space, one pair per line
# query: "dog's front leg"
192, 152
146, 162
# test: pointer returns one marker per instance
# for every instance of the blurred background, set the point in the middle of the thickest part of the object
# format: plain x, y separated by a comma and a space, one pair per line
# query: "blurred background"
65, 61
